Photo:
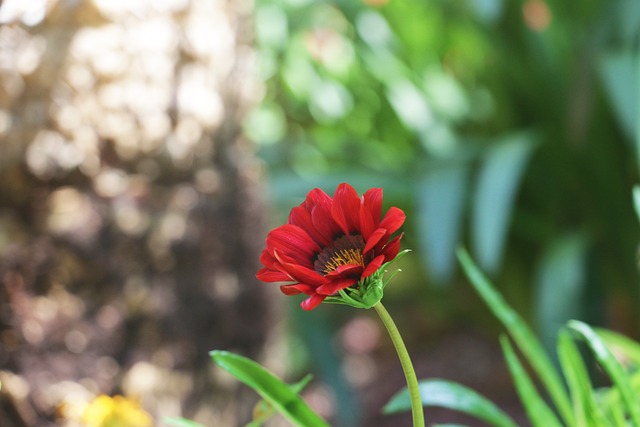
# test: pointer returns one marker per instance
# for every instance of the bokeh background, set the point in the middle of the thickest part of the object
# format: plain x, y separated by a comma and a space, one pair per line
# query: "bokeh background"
148, 146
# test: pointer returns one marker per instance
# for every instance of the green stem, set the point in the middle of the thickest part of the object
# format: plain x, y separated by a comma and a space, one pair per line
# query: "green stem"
409, 373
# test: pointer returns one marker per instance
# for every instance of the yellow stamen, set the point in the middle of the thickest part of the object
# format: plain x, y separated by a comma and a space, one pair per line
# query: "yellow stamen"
343, 257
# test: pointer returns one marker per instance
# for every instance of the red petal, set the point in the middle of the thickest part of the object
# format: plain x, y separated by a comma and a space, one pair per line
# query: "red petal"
268, 275
346, 208
393, 220
316, 197
319, 204
374, 239
301, 217
267, 259
373, 201
304, 275
294, 242
336, 285
367, 224
296, 289
312, 302
373, 266
391, 250
344, 271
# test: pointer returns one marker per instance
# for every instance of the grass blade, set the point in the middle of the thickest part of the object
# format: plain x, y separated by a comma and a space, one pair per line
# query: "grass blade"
586, 410
522, 335
613, 368
273, 390
450, 395
537, 410
629, 347
503, 164
263, 410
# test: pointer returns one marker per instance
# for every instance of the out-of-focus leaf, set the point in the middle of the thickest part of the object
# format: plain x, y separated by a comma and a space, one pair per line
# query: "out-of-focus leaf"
272, 29
446, 95
488, 11
537, 410
636, 200
273, 390
315, 330
266, 124
522, 335
374, 29
613, 368
585, 408
559, 286
181, 422
263, 410
329, 101
629, 348
410, 105
619, 71
494, 196
629, 20
450, 395
440, 195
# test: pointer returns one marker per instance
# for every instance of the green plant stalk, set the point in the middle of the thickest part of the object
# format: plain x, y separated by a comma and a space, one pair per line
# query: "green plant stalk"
417, 411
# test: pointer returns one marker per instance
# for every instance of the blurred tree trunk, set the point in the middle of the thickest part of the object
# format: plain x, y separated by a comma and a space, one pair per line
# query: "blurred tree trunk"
131, 216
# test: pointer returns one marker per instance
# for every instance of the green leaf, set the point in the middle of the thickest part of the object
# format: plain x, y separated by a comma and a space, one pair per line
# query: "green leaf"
582, 394
538, 412
522, 335
636, 200
629, 347
611, 404
181, 422
410, 105
441, 196
264, 410
450, 395
613, 368
272, 389
503, 165
619, 73
489, 11
559, 286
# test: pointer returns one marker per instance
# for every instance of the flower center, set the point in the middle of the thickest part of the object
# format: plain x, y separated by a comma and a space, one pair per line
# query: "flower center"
343, 257
347, 250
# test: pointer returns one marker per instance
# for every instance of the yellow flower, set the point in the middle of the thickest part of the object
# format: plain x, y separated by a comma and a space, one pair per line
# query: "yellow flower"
117, 411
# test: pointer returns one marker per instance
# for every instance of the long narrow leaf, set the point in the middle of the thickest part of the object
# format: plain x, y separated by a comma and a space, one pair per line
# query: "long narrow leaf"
610, 402
440, 199
537, 410
628, 347
496, 187
450, 395
273, 390
263, 411
613, 368
522, 335
582, 394
559, 286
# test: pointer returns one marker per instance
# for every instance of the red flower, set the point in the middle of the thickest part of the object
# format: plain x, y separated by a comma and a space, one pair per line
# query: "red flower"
330, 244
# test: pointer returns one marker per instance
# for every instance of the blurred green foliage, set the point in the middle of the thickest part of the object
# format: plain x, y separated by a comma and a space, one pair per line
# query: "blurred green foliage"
513, 125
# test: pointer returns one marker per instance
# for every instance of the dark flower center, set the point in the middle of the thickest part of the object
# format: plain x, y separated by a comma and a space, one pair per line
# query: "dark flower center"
346, 250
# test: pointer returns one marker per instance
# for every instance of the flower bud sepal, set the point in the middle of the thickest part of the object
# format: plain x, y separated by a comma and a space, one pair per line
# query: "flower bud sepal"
368, 291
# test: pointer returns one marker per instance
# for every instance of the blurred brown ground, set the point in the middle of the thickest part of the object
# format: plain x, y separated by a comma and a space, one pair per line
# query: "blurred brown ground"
130, 207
